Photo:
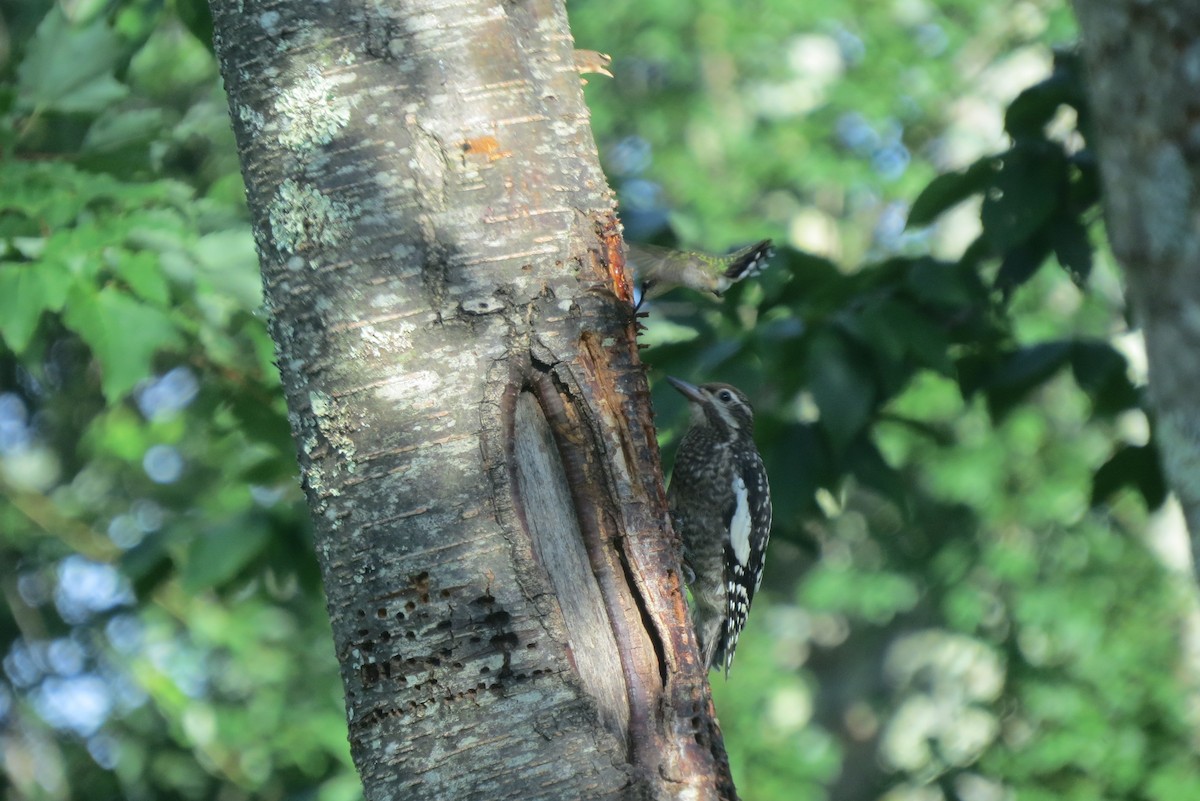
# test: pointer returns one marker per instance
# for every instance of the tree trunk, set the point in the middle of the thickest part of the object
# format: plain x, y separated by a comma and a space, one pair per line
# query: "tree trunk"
443, 273
1143, 64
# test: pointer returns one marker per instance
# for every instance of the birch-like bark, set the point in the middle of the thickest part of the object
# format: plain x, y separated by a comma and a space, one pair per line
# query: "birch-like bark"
1143, 63
442, 269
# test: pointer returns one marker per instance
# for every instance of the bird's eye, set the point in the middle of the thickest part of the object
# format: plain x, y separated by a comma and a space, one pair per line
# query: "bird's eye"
725, 395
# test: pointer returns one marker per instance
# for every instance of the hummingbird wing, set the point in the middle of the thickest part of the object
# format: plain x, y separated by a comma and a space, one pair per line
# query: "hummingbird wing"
749, 261
654, 266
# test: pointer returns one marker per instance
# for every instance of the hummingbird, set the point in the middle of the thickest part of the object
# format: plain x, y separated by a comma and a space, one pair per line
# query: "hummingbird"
658, 269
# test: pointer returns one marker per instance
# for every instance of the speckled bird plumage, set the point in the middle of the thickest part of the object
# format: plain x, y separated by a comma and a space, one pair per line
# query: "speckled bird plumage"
720, 504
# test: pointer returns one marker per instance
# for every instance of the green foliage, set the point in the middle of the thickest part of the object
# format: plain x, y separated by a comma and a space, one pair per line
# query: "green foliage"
960, 598
83, 83
959, 574
165, 634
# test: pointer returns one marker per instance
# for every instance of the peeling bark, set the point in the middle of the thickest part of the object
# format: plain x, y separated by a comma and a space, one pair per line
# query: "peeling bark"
548, 510
442, 267
1143, 64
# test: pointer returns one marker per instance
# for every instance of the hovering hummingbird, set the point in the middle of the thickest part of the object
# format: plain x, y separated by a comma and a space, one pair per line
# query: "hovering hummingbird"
659, 269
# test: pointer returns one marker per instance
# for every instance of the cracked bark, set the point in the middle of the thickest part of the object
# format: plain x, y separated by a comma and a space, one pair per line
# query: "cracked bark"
1143, 63
442, 268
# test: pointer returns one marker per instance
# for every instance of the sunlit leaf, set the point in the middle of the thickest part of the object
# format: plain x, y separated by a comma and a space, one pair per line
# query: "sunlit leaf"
26, 291
69, 68
122, 332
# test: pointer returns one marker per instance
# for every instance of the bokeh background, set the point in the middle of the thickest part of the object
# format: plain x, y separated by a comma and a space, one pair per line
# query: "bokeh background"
977, 589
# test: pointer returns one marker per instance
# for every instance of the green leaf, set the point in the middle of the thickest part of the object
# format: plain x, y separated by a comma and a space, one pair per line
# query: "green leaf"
230, 261
1135, 466
1030, 366
1072, 248
1020, 263
27, 290
1085, 182
1024, 195
868, 464
945, 284
218, 555
950, 189
809, 274
148, 565
45, 192
1028, 114
1022, 371
118, 128
119, 432
916, 334
1103, 373
842, 388
70, 69
144, 275
123, 333
264, 422
799, 463
197, 18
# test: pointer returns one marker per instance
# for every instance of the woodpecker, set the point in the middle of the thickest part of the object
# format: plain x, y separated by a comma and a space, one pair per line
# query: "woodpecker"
720, 504
658, 269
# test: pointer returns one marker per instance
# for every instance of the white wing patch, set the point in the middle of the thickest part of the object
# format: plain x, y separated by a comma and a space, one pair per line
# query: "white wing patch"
740, 524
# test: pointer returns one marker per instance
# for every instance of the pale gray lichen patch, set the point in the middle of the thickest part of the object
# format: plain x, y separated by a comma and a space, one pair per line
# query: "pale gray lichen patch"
312, 110
269, 20
333, 421
302, 217
416, 384
379, 342
253, 120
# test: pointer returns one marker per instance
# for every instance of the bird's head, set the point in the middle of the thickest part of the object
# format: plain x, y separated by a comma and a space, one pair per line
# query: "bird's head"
720, 406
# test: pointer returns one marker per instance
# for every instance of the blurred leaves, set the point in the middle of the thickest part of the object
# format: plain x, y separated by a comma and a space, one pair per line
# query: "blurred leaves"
844, 392
84, 82
141, 426
220, 554
960, 458
967, 446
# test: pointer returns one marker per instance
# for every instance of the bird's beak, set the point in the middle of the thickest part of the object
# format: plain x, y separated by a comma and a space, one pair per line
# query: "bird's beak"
689, 391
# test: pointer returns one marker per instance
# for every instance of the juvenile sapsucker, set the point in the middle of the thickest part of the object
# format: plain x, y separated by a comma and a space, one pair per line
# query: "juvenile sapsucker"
720, 504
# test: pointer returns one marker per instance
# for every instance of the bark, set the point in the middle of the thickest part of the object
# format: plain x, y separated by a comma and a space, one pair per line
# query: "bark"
442, 269
1143, 62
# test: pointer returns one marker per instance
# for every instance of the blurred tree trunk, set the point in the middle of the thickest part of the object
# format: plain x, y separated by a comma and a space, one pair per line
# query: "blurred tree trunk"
1143, 64
443, 273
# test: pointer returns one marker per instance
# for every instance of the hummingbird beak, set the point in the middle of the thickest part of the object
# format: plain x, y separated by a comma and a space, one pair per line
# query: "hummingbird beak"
689, 391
